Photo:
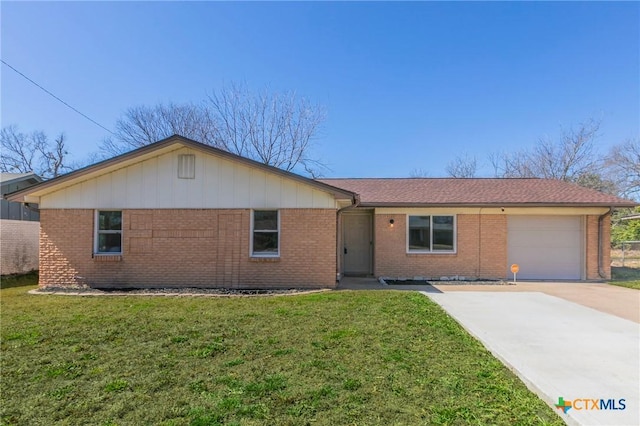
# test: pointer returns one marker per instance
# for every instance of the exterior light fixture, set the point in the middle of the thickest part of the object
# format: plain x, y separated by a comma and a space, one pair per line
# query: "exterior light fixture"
391, 222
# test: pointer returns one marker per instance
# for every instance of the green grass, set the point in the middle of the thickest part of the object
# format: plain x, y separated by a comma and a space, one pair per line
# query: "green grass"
625, 277
366, 358
628, 284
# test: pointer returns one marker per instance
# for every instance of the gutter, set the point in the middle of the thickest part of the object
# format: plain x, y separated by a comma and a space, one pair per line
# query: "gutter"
30, 206
601, 219
355, 202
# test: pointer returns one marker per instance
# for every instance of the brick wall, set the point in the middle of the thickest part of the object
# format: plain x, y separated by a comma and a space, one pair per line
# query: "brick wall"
192, 248
18, 246
481, 249
476, 258
592, 248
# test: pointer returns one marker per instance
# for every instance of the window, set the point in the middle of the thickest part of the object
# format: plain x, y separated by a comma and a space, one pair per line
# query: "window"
108, 232
431, 234
265, 238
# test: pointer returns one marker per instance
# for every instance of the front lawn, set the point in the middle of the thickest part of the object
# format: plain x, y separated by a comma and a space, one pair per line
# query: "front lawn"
370, 358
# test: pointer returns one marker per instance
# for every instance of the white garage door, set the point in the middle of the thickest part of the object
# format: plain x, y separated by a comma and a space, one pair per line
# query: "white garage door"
545, 247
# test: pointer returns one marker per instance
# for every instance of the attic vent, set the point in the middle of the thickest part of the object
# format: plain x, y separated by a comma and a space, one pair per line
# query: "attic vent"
186, 166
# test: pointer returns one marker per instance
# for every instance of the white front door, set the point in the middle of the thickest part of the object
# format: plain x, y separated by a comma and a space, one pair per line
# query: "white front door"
358, 243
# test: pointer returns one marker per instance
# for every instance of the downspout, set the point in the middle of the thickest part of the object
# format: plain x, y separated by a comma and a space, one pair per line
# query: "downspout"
355, 202
600, 242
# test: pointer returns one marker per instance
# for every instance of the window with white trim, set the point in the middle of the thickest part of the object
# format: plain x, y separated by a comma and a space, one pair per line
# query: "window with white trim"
431, 234
108, 235
265, 233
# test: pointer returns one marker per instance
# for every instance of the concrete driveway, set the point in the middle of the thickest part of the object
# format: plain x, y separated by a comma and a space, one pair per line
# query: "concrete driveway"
611, 299
559, 348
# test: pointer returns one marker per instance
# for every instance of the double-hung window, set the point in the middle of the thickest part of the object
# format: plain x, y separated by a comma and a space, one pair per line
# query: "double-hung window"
108, 237
265, 233
429, 234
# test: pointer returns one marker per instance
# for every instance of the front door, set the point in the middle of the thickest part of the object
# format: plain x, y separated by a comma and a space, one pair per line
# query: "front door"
358, 244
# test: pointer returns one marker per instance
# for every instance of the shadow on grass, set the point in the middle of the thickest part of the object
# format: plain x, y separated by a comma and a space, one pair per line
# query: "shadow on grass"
19, 280
620, 273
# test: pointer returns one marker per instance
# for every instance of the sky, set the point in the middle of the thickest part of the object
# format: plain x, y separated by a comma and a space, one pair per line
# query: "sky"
406, 85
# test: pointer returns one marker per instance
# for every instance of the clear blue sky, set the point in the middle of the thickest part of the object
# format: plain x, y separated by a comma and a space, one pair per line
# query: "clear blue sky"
405, 85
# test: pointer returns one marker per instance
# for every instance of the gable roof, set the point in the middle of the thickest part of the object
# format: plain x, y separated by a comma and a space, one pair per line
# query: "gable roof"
161, 147
474, 192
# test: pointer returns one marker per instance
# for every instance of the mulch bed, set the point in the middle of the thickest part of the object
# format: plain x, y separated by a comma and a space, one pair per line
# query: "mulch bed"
436, 282
179, 291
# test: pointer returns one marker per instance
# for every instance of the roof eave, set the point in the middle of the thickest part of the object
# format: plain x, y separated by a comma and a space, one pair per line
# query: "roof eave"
22, 178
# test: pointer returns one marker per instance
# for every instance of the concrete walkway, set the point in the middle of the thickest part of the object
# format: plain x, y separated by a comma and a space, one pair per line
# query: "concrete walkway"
557, 347
368, 283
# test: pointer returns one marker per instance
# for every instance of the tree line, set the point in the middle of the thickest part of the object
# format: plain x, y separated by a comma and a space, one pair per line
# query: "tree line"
280, 129
572, 157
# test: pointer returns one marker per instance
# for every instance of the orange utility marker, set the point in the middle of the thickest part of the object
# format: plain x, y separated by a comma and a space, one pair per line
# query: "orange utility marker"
515, 268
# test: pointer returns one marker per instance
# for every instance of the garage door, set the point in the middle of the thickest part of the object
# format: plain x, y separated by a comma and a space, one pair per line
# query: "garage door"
545, 247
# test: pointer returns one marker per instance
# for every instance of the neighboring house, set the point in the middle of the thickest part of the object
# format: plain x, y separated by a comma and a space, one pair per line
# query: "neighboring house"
180, 213
19, 227
12, 182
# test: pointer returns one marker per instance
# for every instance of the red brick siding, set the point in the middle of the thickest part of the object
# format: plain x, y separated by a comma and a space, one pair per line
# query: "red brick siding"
193, 248
592, 248
484, 257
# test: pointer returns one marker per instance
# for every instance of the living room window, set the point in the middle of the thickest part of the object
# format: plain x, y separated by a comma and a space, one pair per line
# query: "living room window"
108, 235
265, 233
431, 234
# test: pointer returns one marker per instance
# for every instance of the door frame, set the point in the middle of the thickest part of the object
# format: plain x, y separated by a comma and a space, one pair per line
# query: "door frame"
341, 247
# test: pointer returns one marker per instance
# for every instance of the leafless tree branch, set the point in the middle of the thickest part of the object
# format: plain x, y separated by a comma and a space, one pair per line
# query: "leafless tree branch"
32, 152
624, 163
274, 128
463, 166
567, 159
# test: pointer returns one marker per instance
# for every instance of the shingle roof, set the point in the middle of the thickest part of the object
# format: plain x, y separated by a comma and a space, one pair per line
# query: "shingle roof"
476, 192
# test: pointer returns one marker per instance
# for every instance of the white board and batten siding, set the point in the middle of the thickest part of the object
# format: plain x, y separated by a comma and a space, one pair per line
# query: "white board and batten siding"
218, 183
546, 247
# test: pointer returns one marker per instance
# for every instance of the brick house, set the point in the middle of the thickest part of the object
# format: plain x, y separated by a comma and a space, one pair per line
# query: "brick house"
180, 213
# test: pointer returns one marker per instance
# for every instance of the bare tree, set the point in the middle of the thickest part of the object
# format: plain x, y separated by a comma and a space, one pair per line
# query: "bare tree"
144, 125
572, 156
624, 163
419, 173
598, 182
463, 166
274, 128
32, 152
